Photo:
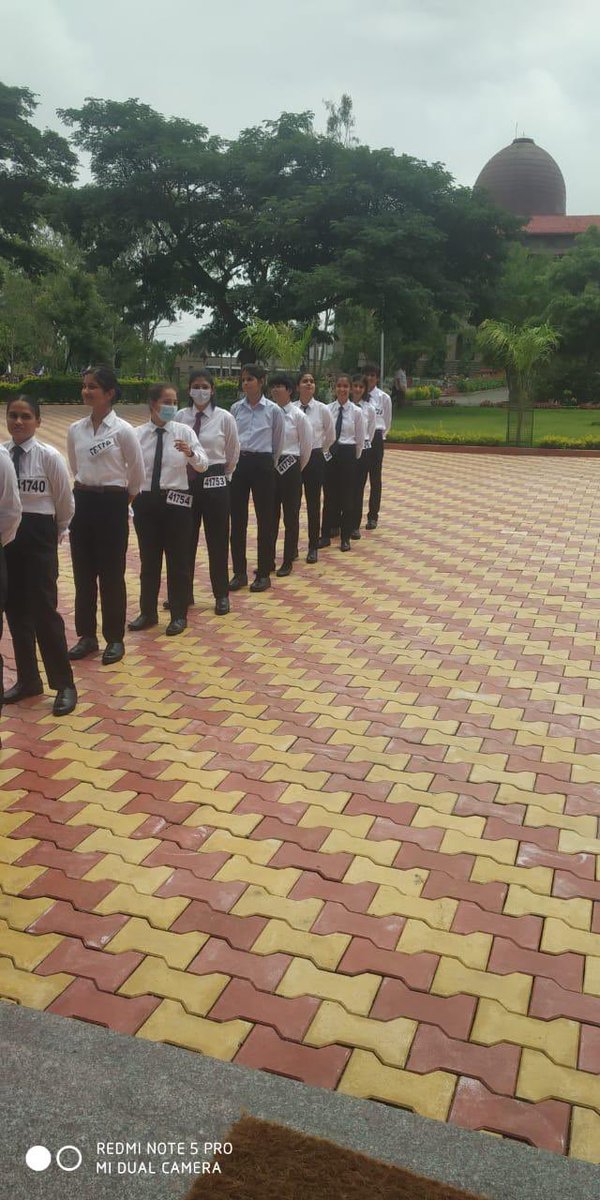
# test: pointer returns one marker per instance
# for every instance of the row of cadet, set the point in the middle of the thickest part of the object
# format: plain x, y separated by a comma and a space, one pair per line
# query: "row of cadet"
179, 470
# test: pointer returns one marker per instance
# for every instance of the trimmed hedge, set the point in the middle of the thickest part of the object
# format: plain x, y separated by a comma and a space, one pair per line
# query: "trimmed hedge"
66, 389
426, 437
485, 384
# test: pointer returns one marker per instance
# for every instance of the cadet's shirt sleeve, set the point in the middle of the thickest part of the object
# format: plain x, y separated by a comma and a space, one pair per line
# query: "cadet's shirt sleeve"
134, 459
278, 432
199, 461
10, 502
232, 443
359, 430
62, 492
305, 440
328, 428
71, 450
386, 404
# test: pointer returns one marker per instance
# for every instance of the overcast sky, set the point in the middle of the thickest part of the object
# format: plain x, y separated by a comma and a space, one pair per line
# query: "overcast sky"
444, 80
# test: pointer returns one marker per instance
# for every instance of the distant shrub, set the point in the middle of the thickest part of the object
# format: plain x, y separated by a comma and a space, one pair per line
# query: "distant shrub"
66, 389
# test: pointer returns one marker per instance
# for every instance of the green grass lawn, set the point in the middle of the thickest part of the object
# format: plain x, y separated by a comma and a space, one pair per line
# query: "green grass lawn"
482, 422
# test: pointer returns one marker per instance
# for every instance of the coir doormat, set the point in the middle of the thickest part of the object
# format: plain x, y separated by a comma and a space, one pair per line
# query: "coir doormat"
272, 1162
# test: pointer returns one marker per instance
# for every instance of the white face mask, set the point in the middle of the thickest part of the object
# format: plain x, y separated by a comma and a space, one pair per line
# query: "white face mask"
200, 396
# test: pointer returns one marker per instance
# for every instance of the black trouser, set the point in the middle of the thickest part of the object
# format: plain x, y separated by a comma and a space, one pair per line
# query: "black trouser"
211, 504
288, 496
362, 471
162, 529
31, 603
339, 492
99, 534
312, 478
2, 603
375, 468
254, 473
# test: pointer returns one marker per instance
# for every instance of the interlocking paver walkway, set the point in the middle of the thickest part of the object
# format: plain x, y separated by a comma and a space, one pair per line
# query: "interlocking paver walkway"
349, 833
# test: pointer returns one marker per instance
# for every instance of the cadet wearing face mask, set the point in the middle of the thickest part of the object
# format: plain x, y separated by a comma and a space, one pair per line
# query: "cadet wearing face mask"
217, 433
162, 512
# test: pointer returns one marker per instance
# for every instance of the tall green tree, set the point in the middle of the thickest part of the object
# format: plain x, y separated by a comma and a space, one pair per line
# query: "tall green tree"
522, 351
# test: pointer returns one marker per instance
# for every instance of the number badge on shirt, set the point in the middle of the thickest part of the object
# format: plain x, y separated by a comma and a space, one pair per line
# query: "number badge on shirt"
100, 447
284, 464
180, 499
214, 481
37, 486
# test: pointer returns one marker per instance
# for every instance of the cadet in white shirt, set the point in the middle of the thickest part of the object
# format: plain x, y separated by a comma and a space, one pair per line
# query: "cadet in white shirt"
340, 473
162, 512
106, 460
360, 396
10, 517
217, 433
383, 410
295, 453
323, 436
32, 561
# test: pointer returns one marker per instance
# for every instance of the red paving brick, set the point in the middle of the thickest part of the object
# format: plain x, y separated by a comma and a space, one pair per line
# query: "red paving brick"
265, 1049
265, 970
496, 1066
291, 1017
545, 1125
453, 1014
565, 969
108, 971
83, 1000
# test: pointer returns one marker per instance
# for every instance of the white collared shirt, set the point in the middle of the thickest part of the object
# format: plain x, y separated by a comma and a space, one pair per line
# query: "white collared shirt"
218, 434
44, 483
382, 403
107, 457
368, 412
353, 425
323, 429
173, 471
298, 434
10, 503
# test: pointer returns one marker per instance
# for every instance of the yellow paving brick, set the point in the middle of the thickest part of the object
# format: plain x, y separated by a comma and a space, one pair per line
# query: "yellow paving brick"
15, 879
559, 937
121, 824
159, 912
249, 723
537, 879
93, 776
93, 759
573, 843
171, 1023
177, 949
146, 880
541, 1079
368, 753
502, 851
440, 802
492, 762
538, 817
325, 950
428, 1095
203, 778
383, 853
351, 735
355, 993
151, 708
332, 801
521, 901
34, 991
11, 821
177, 754
27, 949
132, 850
472, 949
519, 779
259, 737
558, 1039
185, 741
278, 881
410, 882
591, 978
316, 817
84, 793
586, 773
12, 849
390, 1040
286, 758
550, 801
512, 991
388, 901
585, 1135
197, 993
426, 818
20, 913
418, 780
257, 901
280, 774
237, 823
8, 798
255, 851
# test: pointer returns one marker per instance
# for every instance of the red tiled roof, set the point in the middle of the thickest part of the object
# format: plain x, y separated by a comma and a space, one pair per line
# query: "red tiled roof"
549, 224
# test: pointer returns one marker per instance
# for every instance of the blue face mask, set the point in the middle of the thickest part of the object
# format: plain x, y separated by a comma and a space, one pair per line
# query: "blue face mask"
167, 412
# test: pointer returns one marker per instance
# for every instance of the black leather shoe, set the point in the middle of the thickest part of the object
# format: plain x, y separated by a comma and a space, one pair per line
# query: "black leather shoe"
142, 622
113, 653
285, 569
355, 535
222, 606
371, 524
323, 542
65, 702
85, 646
261, 583
345, 545
238, 582
21, 691
312, 556
176, 626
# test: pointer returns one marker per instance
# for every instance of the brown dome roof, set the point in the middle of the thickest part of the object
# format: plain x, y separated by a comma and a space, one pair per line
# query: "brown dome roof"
525, 180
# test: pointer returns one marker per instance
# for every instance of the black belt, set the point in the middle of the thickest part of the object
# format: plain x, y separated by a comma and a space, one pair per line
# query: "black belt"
256, 454
106, 487
164, 491
216, 469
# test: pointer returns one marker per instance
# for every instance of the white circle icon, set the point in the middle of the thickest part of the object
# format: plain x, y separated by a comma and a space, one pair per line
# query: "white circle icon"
38, 1158
69, 1166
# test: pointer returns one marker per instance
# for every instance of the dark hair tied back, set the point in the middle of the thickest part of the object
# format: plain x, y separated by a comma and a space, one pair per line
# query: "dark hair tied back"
106, 379
32, 403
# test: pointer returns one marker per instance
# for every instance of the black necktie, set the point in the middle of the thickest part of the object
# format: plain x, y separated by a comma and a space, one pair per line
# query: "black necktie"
338, 423
305, 408
16, 454
157, 464
198, 421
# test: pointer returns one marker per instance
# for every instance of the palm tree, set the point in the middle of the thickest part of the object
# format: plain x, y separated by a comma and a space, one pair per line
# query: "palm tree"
281, 342
521, 350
